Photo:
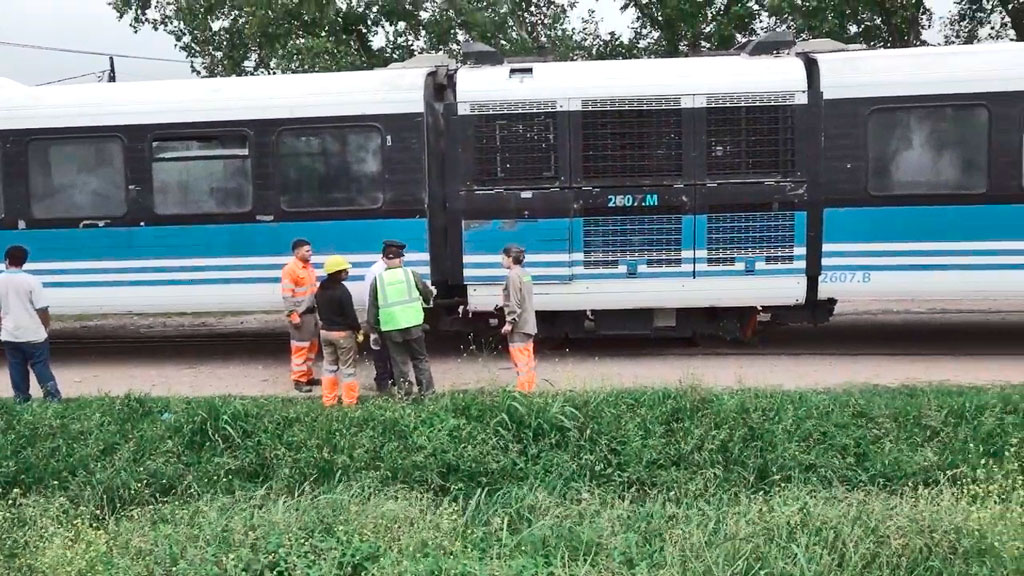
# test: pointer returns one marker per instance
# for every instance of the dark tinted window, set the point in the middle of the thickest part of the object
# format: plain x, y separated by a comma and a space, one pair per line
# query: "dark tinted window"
632, 143
77, 178
928, 150
750, 141
330, 168
202, 175
515, 148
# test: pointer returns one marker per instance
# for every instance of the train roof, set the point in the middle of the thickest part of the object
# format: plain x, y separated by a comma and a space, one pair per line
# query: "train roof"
720, 75
922, 71
385, 91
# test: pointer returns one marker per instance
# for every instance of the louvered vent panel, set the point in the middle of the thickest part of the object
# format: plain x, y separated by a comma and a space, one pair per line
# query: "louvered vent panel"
515, 149
750, 99
731, 236
512, 106
632, 143
631, 103
751, 141
607, 240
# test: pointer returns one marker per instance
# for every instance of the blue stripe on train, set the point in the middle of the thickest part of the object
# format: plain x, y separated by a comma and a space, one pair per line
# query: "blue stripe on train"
989, 223
198, 281
276, 268
904, 226
551, 236
258, 239
590, 276
909, 253
966, 267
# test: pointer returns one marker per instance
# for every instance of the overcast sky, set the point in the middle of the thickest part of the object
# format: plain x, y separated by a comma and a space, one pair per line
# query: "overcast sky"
92, 25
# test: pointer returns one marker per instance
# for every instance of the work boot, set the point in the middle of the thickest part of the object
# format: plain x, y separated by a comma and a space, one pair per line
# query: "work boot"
315, 382
302, 387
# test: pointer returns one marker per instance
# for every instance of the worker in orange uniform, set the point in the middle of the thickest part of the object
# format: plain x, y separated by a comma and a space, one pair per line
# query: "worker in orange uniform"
298, 289
340, 333
520, 318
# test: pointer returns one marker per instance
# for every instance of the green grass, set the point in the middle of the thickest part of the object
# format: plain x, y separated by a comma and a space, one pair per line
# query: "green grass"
863, 481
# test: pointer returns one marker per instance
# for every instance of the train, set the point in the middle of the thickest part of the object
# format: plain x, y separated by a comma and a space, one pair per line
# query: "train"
707, 194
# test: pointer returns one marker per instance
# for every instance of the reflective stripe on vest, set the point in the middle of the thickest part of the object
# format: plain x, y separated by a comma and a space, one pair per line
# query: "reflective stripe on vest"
398, 300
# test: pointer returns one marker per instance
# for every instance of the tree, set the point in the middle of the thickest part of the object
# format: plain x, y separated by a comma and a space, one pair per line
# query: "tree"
973, 21
677, 27
876, 23
238, 37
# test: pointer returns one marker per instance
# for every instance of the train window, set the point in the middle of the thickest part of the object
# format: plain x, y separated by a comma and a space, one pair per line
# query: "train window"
632, 143
928, 150
515, 148
77, 177
755, 140
202, 175
330, 168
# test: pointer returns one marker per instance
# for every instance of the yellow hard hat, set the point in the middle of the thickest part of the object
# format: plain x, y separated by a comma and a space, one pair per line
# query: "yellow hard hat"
336, 263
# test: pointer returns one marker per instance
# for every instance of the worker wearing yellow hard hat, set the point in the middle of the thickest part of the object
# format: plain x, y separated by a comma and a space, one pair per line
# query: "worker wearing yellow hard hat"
340, 333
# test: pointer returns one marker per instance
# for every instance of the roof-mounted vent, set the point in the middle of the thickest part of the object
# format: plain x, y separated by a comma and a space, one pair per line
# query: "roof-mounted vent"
479, 53
770, 43
824, 45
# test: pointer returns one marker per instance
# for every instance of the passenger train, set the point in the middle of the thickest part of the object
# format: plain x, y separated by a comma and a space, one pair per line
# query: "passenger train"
658, 196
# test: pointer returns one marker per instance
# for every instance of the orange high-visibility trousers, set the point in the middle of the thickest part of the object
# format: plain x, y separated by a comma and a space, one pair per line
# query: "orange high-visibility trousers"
340, 350
303, 354
526, 366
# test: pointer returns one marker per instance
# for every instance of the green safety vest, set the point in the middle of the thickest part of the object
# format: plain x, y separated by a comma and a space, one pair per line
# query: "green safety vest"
398, 300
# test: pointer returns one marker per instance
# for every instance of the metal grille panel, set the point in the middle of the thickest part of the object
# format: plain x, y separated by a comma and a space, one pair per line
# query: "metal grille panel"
750, 99
631, 103
515, 148
771, 235
751, 141
607, 240
632, 143
512, 106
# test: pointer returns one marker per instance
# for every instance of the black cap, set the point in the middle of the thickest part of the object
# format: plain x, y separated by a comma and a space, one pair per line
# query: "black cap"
393, 249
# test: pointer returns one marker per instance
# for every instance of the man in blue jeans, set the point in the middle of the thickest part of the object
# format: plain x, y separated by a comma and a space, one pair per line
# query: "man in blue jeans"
24, 321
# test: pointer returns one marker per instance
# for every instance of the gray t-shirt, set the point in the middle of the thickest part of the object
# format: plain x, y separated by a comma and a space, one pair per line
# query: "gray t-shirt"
517, 298
21, 294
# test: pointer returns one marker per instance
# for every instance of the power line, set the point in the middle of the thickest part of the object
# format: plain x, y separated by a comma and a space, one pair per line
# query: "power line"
98, 72
90, 52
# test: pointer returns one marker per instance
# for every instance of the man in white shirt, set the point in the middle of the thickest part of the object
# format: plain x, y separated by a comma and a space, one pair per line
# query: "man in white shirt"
384, 376
24, 322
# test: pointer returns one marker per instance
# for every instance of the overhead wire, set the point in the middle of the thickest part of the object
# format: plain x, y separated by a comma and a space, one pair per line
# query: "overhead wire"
91, 52
96, 53
100, 73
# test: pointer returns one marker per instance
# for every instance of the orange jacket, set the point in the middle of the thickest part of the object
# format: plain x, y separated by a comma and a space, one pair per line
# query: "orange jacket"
298, 286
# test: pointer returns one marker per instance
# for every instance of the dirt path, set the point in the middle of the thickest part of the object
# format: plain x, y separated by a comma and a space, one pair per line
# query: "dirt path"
888, 343
255, 375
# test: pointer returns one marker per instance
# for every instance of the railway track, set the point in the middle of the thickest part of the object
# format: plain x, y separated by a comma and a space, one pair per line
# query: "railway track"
842, 345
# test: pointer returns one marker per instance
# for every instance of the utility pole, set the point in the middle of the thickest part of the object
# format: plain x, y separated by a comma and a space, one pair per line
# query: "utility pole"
112, 76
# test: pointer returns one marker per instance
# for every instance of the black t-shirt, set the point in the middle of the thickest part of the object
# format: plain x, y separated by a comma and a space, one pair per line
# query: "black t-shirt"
335, 308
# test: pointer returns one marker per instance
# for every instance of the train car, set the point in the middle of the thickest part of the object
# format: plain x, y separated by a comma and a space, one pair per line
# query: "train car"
184, 196
661, 196
921, 189
653, 196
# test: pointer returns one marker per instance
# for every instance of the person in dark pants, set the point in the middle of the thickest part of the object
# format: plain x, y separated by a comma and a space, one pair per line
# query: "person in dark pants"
395, 313
384, 376
340, 333
24, 322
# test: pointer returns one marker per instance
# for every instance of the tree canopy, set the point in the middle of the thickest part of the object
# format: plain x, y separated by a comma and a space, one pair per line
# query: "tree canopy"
238, 37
